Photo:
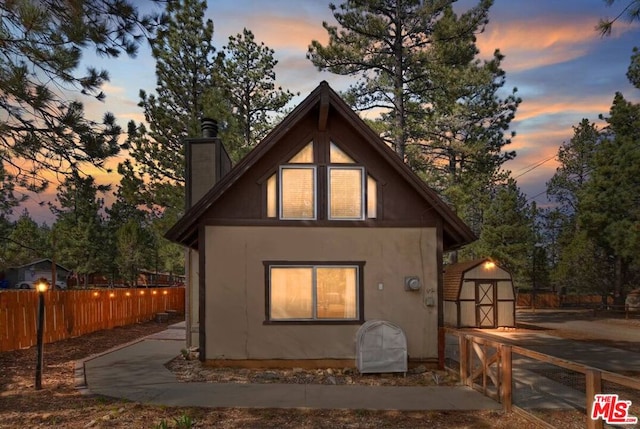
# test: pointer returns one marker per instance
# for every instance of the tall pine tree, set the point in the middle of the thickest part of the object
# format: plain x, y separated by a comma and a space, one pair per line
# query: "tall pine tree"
79, 228
248, 81
610, 210
184, 54
416, 62
580, 261
42, 128
508, 234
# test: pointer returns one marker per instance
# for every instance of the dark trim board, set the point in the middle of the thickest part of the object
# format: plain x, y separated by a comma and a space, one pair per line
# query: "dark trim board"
322, 223
202, 296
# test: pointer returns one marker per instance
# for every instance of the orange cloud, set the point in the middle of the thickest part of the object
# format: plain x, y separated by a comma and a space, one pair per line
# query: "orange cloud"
280, 32
542, 41
589, 106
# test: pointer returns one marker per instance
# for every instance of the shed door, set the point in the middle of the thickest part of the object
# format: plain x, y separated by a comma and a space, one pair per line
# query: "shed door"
485, 304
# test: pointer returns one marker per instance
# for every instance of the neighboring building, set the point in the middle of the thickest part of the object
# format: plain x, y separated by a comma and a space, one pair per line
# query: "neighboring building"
35, 270
317, 230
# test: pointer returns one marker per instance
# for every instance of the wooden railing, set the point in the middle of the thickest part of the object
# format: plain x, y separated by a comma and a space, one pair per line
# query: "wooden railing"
70, 313
487, 366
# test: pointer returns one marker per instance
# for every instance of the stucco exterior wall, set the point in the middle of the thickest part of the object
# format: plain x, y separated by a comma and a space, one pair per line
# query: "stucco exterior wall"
235, 296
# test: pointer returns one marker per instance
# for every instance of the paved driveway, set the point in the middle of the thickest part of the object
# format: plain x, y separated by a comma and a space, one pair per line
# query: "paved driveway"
584, 322
592, 354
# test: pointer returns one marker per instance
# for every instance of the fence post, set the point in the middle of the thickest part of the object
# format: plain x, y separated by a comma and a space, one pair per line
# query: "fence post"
464, 358
594, 385
506, 377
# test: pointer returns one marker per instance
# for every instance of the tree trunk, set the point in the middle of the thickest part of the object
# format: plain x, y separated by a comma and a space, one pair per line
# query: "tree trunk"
398, 88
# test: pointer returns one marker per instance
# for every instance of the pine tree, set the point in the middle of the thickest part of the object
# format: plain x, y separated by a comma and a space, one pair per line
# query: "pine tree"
575, 248
631, 12
25, 242
125, 209
43, 128
416, 62
576, 167
184, 54
409, 54
610, 211
248, 81
508, 234
133, 243
79, 227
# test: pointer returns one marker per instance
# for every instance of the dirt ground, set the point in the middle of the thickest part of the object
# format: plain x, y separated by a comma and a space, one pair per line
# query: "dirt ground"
60, 405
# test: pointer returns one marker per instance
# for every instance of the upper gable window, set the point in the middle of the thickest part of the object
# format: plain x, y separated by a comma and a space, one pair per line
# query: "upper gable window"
297, 192
292, 192
305, 156
337, 155
346, 193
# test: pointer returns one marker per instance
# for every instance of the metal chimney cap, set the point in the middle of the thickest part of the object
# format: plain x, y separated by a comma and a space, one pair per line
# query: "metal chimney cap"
209, 127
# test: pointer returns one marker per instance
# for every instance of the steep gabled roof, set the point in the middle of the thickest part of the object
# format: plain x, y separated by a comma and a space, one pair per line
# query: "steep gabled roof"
185, 230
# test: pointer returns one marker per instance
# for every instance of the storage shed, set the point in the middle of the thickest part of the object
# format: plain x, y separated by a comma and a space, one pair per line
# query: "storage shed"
478, 294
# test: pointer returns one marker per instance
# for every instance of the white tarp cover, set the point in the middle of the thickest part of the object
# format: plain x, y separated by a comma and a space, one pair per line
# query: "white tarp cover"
381, 347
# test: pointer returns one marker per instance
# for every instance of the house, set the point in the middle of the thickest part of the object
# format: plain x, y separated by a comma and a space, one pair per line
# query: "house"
479, 294
317, 230
41, 268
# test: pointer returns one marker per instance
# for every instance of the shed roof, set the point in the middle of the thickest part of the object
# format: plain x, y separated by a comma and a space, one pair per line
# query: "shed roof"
454, 274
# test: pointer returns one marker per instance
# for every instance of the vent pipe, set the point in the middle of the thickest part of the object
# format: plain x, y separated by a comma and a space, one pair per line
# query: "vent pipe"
209, 128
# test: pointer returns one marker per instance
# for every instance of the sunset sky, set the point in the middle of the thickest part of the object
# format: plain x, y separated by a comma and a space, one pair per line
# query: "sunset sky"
563, 69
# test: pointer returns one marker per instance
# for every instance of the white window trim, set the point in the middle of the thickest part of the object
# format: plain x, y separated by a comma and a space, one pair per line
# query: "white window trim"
363, 191
314, 298
315, 190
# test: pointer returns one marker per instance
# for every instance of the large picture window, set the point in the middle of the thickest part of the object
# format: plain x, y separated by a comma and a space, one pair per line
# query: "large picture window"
314, 292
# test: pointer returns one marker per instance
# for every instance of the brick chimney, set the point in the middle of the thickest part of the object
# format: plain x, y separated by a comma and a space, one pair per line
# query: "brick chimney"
207, 161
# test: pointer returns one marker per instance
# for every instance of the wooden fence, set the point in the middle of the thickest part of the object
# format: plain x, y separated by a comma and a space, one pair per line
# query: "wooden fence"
70, 313
554, 300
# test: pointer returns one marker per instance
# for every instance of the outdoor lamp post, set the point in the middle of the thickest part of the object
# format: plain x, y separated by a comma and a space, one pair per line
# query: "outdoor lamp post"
42, 287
